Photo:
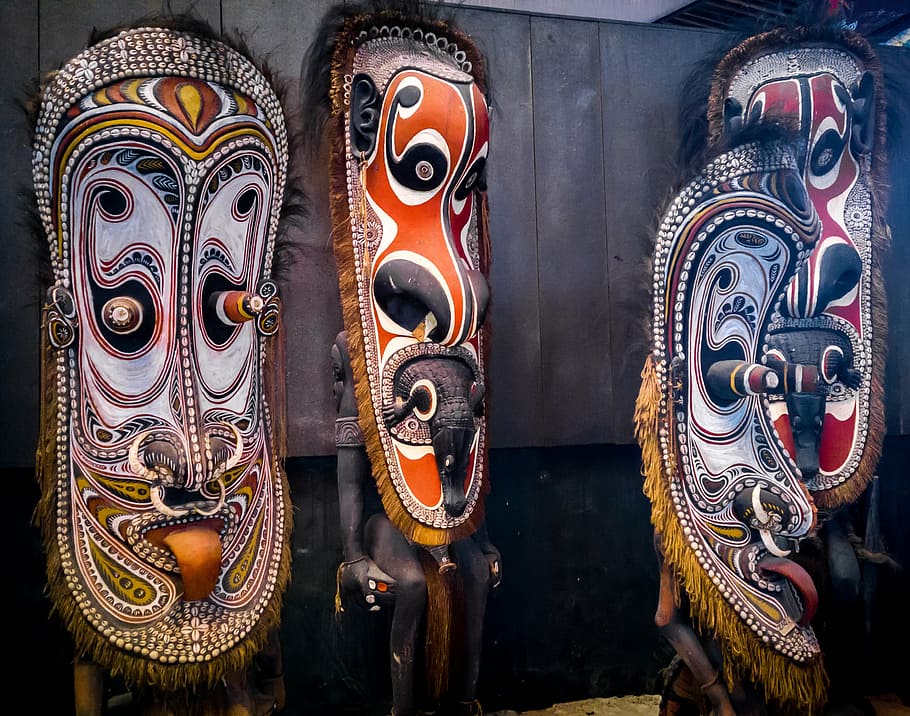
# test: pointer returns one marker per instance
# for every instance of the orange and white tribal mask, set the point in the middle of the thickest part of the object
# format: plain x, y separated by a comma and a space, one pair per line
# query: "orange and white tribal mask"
412, 266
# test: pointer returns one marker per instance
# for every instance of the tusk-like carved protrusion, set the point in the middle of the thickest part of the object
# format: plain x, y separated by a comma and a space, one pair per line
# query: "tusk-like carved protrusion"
758, 509
234, 459
771, 545
163, 508
217, 507
136, 465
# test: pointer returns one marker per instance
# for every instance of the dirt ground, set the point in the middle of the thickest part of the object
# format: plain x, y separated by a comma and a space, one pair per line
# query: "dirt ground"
647, 705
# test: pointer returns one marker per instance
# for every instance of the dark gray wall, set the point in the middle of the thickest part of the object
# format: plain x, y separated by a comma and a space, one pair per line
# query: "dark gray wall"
584, 121
572, 620
585, 117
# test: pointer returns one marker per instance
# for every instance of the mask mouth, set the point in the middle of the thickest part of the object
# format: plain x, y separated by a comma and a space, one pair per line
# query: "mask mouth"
195, 548
421, 303
413, 298
767, 561
794, 586
150, 534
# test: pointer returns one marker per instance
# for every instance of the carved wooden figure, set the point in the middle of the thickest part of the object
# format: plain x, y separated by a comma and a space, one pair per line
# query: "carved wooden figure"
817, 372
160, 164
408, 128
727, 503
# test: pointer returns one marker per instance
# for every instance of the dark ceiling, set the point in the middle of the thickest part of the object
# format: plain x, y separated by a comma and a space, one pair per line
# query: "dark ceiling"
881, 21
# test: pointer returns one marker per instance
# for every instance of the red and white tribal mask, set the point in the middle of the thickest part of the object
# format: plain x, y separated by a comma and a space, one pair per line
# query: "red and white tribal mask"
827, 99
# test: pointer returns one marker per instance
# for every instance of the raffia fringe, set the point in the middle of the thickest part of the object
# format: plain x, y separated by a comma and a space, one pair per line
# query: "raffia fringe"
440, 610
791, 686
88, 642
397, 513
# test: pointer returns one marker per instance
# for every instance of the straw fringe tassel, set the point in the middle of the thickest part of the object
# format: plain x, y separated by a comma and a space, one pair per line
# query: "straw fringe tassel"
438, 626
797, 688
88, 642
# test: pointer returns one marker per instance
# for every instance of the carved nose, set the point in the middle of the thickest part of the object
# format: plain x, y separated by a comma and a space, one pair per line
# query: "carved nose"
167, 461
806, 411
420, 302
833, 270
452, 446
455, 507
411, 296
841, 270
481, 292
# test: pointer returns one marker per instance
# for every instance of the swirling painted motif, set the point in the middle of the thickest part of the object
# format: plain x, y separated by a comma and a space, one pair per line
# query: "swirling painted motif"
160, 165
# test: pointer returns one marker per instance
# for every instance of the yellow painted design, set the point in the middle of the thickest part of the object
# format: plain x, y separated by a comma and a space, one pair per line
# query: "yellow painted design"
235, 577
190, 99
733, 380
107, 514
126, 488
126, 585
729, 532
130, 90
100, 97
230, 477
764, 607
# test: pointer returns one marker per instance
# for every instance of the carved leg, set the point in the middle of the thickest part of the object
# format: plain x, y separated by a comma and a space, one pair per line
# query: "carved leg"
842, 639
88, 683
688, 645
270, 663
474, 572
392, 553
243, 698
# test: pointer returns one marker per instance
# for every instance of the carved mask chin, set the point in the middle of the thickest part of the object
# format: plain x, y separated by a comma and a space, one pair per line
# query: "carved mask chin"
829, 319
160, 163
409, 186
726, 496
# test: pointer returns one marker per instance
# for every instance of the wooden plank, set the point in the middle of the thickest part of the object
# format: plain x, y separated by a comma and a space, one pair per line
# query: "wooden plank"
896, 68
572, 259
643, 67
66, 25
20, 311
281, 31
514, 370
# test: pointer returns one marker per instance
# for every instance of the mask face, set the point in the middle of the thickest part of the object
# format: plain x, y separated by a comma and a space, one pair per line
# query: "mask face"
416, 130
826, 323
732, 503
160, 195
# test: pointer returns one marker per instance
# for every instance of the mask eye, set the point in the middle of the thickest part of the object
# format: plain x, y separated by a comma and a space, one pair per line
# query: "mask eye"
113, 204
122, 315
125, 315
245, 203
475, 180
826, 152
421, 168
424, 170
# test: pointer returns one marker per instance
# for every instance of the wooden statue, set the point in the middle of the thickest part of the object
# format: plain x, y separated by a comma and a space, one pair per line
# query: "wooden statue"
408, 132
